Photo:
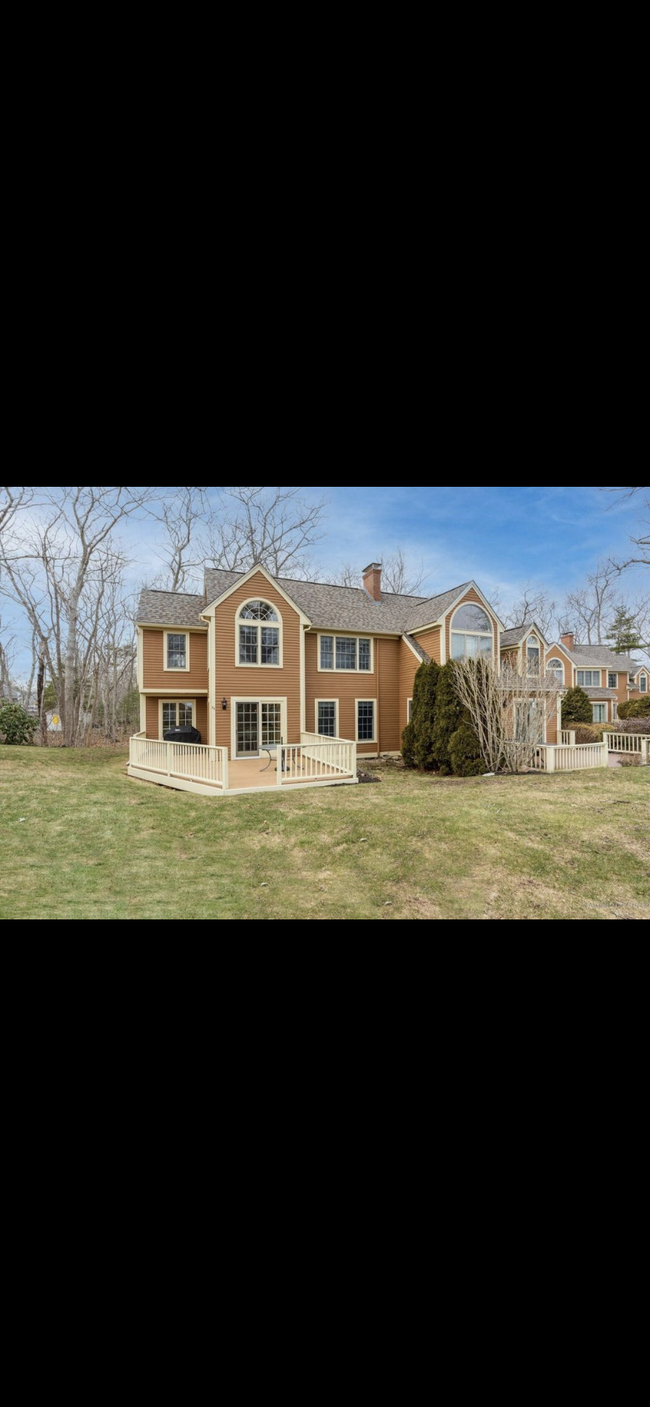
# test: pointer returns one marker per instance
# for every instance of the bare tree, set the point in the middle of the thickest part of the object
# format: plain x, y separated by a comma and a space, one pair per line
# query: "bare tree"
399, 574
274, 526
642, 542
185, 516
506, 710
535, 604
591, 609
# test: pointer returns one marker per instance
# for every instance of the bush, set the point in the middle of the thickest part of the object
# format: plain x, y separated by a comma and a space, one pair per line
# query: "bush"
594, 734
576, 708
16, 727
632, 761
636, 708
464, 754
449, 716
638, 726
425, 706
408, 745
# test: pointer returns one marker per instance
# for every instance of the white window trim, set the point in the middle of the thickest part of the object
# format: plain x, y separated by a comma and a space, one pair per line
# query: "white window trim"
176, 702
336, 705
482, 634
255, 699
166, 668
551, 670
643, 680
612, 675
409, 710
614, 711
602, 705
599, 672
260, 625
366, 742
346, 635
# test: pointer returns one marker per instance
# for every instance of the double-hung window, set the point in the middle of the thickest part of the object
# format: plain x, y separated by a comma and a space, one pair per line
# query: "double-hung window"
177, 651
366, 714
612, 681
346, 654
643, 684
588, 678
259, 632
326, 720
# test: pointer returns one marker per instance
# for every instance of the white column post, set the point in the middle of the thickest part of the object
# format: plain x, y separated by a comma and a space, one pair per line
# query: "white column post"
550, 759
645, 752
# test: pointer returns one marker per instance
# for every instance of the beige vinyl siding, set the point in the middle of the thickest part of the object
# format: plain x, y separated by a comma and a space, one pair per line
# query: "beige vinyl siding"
257, 682
155, 676
346, 688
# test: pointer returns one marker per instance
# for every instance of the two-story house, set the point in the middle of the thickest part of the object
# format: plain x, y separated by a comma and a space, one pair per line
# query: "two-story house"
258, 661
604, 675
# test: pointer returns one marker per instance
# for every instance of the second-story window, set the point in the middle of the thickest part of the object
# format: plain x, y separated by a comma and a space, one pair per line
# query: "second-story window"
472, 635
533, 653
346, 653
612, 681
259, 635
177, 651
588, 678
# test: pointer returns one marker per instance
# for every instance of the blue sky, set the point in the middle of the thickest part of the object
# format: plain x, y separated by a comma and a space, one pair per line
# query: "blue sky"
503, 538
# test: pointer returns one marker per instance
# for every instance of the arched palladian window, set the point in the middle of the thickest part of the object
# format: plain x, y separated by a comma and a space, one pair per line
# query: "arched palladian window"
533, 653
472, 634
259, 627
556, 667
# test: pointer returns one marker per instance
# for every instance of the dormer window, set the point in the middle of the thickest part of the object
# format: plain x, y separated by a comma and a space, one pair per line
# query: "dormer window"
533, 651
643, 684
259, 642
557, 668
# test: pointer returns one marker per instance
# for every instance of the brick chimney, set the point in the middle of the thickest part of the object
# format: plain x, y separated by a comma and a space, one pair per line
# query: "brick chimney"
569, 641
372, 580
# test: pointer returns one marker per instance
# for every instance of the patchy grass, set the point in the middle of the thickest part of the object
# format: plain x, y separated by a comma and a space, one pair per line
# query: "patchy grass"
78, 840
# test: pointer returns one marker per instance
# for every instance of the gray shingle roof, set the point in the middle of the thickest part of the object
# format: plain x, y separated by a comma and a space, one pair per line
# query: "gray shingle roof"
513, 637
334, 607
516, 635
328, 607
601, 693
426, 659
428, 612
603, 656
171, 608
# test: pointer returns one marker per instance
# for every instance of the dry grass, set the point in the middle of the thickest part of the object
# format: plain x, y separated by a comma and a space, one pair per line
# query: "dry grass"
79, 841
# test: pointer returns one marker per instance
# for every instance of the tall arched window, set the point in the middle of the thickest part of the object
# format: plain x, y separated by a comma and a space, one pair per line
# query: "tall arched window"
556, 667
472, 634
533, 654
259, 627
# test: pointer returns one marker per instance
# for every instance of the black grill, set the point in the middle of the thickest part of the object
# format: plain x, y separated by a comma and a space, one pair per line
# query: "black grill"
183, 735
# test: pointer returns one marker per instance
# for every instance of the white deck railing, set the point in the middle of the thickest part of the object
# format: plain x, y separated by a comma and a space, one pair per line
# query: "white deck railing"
570, 759
567, 739
634, 744
188, 762
317, 759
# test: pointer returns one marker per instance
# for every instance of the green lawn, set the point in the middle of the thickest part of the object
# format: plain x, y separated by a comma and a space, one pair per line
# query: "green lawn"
78, 840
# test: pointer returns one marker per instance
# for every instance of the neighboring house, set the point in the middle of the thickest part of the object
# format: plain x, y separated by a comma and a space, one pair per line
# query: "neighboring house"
258, 661
602, 674
640, 683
